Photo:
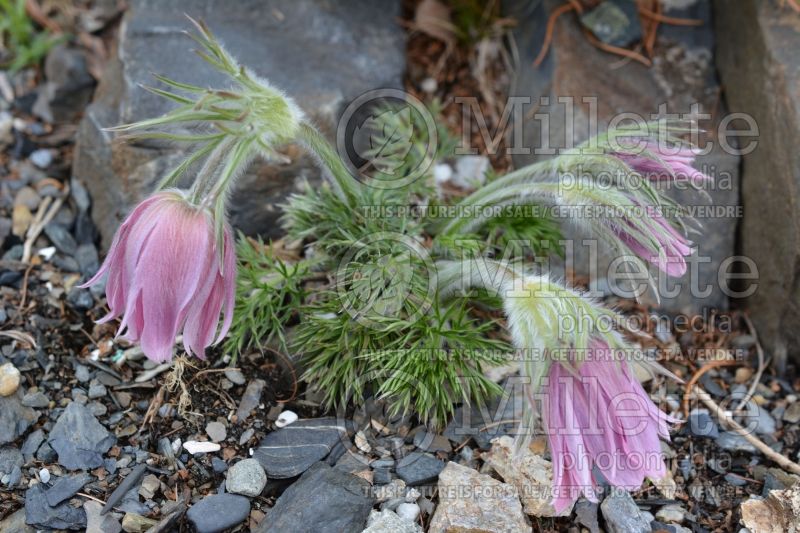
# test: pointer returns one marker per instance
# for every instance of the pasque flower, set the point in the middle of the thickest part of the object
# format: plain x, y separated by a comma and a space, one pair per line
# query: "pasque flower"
166, 275
598, 416
659, 162
660, 243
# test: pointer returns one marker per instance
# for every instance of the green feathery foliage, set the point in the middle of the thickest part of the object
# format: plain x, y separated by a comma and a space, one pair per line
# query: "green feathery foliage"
269, 293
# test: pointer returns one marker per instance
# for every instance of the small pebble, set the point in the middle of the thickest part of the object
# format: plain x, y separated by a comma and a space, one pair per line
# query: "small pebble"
41, 158
9, 379
44, 475
408, 511
216, 431
194, 447
247, 477
286, 418
235, 376
429, 85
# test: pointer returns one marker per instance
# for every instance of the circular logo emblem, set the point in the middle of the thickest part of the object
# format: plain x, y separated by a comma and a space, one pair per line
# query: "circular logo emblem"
387, 138
384, 276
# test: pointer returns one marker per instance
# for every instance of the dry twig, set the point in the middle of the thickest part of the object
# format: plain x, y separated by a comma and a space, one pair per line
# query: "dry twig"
724, 418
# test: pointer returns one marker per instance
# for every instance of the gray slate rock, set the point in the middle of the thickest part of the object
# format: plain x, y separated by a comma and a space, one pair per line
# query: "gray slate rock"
31, 444
419, 468
15, 523
15, 418
79, 439
68, 88
324, 53
65, 488
36, 399
11, 461
323, 500
700, 424
39, 513
61, 238
760, 68
290, 451
734, 442
622, 515
99, 523
218, 512
586, 513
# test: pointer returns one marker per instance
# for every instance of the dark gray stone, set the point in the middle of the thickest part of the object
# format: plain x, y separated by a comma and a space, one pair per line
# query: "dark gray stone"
65, 488
80, 299
15, 418
323, 500
759, 65
10, 458
79, 439
323, 53
419, 468
36, 399
586, 513
61, 238
622, 515
218, 512
46, 454
481, 422
700, 424
682, 74
87, 258
381, 476
68, 88
40, 514
290, 451
31, 444
734, 442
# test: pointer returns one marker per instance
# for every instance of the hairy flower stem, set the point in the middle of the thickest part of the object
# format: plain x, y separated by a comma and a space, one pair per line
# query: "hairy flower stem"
314, 141
208, 172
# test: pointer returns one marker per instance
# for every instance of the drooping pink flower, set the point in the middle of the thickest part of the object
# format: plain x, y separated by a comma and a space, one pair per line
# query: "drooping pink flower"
165, 277
598, 416
673, 247
660, 163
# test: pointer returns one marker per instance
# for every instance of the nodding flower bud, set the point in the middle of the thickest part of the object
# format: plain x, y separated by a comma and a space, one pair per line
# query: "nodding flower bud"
659, 162
598, 416
166, 276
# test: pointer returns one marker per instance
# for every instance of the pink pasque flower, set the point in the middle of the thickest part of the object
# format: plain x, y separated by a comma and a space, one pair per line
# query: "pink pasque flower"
660, 163
673, 246
598, 416
164, 277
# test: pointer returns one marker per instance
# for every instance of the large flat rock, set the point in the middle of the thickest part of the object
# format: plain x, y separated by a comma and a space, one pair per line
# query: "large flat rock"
682, 74
324, 53
759, 64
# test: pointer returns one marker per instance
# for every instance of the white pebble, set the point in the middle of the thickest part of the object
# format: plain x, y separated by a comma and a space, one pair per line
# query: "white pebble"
442, 173
408, 511
429, 85
9, 379
286, 418
44, 475
47, 253
194, 447
41, 157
